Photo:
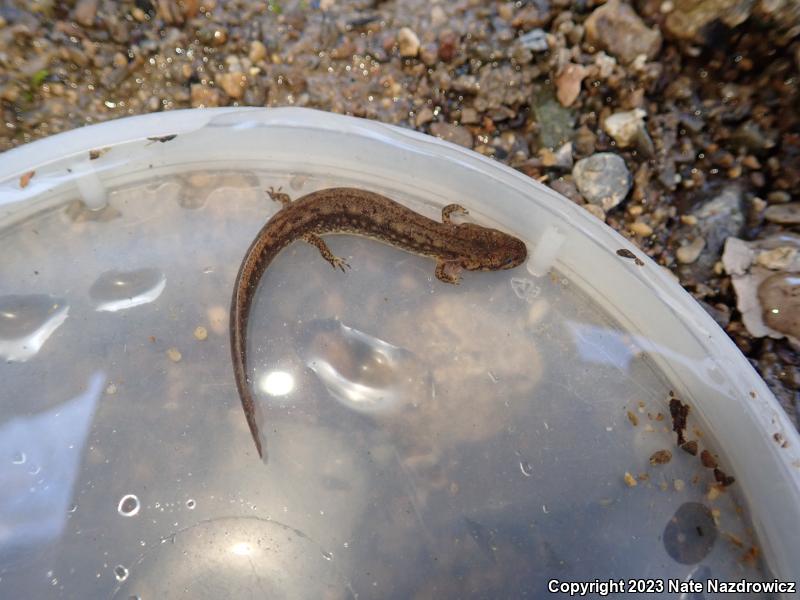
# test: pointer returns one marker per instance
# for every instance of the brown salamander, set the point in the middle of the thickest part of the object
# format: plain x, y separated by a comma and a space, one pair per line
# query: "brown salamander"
455, 246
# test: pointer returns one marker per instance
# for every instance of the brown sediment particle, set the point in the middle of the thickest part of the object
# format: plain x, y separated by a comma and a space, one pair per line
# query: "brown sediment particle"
751, 556
679, 412
630, 481
708, 460
633, 418
779, 439
690, 447
625, 253
25, 179
660, 457
723, 478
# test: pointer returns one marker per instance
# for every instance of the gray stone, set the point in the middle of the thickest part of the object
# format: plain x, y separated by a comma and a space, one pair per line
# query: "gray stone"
603, 179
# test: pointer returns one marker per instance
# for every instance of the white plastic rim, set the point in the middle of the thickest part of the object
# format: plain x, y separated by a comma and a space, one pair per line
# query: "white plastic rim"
757, 440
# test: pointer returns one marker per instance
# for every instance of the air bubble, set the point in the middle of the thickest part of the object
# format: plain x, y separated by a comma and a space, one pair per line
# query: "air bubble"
129, 506
121, 573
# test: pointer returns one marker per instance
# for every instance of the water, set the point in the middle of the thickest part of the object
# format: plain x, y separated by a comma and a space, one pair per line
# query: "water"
426, 430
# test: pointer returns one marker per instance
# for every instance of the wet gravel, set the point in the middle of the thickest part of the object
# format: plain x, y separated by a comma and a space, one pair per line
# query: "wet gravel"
674, 121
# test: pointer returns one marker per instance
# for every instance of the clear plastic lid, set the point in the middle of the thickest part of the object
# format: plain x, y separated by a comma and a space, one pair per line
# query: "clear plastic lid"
425, 440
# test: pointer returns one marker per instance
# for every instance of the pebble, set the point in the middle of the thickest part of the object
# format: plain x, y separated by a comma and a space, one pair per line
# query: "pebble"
408, 42
568, 83
438, 16
233, 84
536, 14
424, 116
616, 27
777, 259
534, 40
203, 96
688, 20
452, 133
596, 211
641, 228
720, 218
779, 295
469, 116
690, 252
625, 127
258, 52
603, 179
786, 214
85, 12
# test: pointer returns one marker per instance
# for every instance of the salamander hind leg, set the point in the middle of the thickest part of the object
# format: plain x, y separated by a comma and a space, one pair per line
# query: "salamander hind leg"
279, 196
452, 209
448, 271
320, 245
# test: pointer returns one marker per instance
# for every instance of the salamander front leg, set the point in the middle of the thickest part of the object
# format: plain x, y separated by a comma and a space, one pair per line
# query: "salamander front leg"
448, 271
279, 196
320, 245
452, 209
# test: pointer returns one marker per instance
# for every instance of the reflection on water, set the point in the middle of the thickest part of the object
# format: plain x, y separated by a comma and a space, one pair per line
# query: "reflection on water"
118, 290
26, 322
39, 460
363, 372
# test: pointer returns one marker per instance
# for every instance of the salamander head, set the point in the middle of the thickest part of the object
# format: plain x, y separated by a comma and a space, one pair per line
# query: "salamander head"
492, 250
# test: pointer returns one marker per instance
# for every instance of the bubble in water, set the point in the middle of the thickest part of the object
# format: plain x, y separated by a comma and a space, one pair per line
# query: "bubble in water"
190, 504
18, 458
26, 322
72, 508
118, 290
327, 555
526, 468
121, 573
362, 372
129, 506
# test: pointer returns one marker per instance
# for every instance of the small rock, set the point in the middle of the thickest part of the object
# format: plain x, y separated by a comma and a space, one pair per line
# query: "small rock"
595, 211
438, 16
568, 83
448, 45
786, 214
641, 228
204, 96
603, 179
779, 295
452, 133
690, 252
720, 218
555, 122
737, 256
258, 51
233, 84
408, 41
777, 259
469, 116
85, 12
562, 159
466, 84
688, 18
534, 40
616, 27
625, 127
424, 116
536, 14
779, 196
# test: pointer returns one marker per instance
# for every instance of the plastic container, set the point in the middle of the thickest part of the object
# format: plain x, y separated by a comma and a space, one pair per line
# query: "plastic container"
425, 440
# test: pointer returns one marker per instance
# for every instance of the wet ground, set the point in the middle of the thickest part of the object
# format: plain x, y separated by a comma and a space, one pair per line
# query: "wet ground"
675, 122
